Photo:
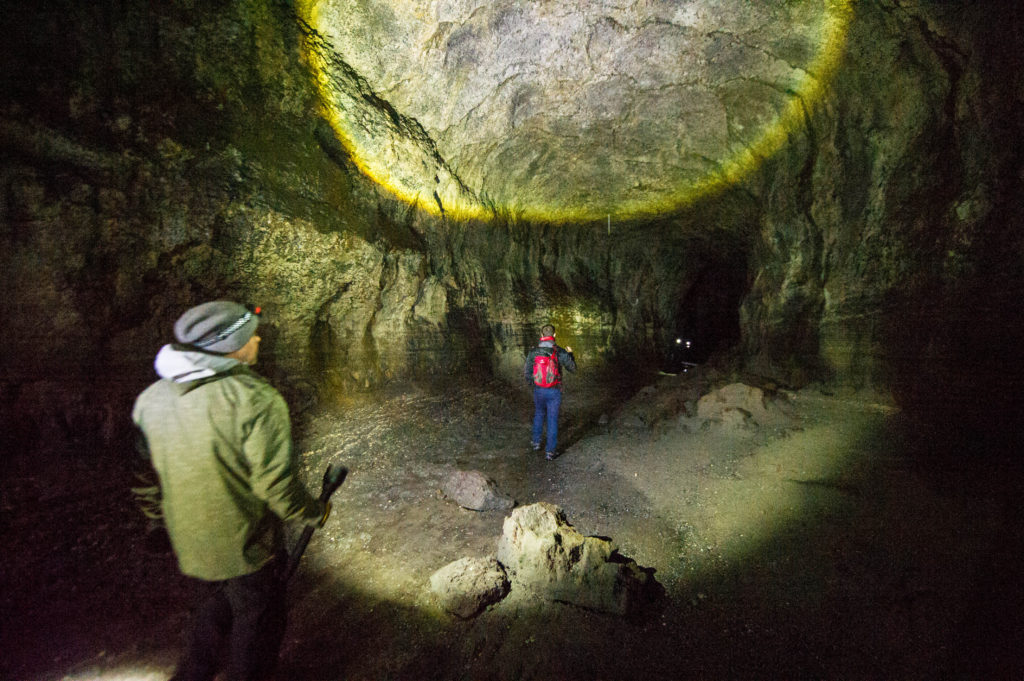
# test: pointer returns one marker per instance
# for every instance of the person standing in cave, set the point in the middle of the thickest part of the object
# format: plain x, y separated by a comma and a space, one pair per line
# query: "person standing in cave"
543, 369
219, 439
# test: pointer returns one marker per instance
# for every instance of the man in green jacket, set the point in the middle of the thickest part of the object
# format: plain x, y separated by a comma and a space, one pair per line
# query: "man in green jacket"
219, 438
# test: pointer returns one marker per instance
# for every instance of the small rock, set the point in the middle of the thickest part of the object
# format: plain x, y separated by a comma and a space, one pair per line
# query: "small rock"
477, 492
468, 585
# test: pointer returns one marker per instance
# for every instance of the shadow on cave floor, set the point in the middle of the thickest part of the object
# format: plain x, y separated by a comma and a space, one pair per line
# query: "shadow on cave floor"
811, 547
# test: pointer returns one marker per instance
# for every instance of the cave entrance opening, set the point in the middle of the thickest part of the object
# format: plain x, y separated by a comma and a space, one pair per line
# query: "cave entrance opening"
707, 320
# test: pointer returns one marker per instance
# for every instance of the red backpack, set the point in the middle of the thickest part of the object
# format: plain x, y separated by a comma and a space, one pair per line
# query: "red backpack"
545, 369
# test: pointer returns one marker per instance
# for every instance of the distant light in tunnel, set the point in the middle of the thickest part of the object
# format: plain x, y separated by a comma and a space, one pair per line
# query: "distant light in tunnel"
394, 150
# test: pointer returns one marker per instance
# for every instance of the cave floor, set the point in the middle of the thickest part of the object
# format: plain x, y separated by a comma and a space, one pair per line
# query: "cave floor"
810, 546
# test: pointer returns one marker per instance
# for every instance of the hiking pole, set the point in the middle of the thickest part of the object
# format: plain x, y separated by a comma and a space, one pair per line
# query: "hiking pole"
333, 477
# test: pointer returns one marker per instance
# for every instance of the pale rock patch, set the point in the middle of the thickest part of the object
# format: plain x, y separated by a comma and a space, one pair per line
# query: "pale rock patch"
476, 491
544, 554
468, 585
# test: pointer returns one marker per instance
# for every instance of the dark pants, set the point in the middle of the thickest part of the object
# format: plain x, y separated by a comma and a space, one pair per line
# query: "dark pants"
546, 402
239, 622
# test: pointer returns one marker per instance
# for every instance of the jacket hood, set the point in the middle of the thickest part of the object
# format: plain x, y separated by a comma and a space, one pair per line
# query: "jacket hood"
547, 344
181, 365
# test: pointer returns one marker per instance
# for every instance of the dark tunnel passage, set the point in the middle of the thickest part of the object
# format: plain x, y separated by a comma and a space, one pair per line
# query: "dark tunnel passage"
707, 320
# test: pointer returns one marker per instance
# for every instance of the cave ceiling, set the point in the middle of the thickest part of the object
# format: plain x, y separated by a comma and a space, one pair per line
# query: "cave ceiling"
567, 110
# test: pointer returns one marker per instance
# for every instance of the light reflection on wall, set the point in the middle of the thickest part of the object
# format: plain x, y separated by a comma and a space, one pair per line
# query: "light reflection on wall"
127, 672
402, 157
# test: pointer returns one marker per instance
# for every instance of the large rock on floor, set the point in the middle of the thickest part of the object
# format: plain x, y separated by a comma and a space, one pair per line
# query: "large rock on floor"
468, 585
543, 553
476, 491
734, 404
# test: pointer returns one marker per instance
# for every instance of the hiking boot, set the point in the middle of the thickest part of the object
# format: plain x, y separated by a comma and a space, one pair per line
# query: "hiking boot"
535, 446
550, 456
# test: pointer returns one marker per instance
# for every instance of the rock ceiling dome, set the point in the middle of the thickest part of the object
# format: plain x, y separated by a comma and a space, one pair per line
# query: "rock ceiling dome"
567, 109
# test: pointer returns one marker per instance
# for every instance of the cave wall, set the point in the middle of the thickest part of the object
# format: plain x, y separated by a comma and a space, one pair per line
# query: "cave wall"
172, 155
154, 159
890, 248
161, 156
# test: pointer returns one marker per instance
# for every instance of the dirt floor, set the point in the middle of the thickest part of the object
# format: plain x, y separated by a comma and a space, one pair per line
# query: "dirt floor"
815, 543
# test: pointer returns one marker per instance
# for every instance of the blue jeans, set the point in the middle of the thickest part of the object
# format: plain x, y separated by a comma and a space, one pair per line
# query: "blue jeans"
546, 402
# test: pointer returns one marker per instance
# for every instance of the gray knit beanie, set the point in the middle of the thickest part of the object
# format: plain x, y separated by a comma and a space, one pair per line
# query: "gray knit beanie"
220, 326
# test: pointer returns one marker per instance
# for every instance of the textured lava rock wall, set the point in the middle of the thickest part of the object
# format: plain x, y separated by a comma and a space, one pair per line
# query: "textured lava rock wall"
890, 249
158, 158
565, 108
155, 157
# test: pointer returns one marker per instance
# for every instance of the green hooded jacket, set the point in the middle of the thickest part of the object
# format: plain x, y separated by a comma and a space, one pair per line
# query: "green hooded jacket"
219, 439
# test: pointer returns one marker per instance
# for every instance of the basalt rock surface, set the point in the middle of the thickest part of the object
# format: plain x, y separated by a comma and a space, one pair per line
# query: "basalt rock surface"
545, 556
565, 108
157, 156
466, 586
476, 491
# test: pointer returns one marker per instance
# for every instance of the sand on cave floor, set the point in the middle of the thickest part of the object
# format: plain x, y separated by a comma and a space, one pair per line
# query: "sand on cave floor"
810, 545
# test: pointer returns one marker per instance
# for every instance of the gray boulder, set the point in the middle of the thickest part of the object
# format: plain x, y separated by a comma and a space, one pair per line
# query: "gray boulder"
734, 402
541, 552
741, 405
468, 585
476, 491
